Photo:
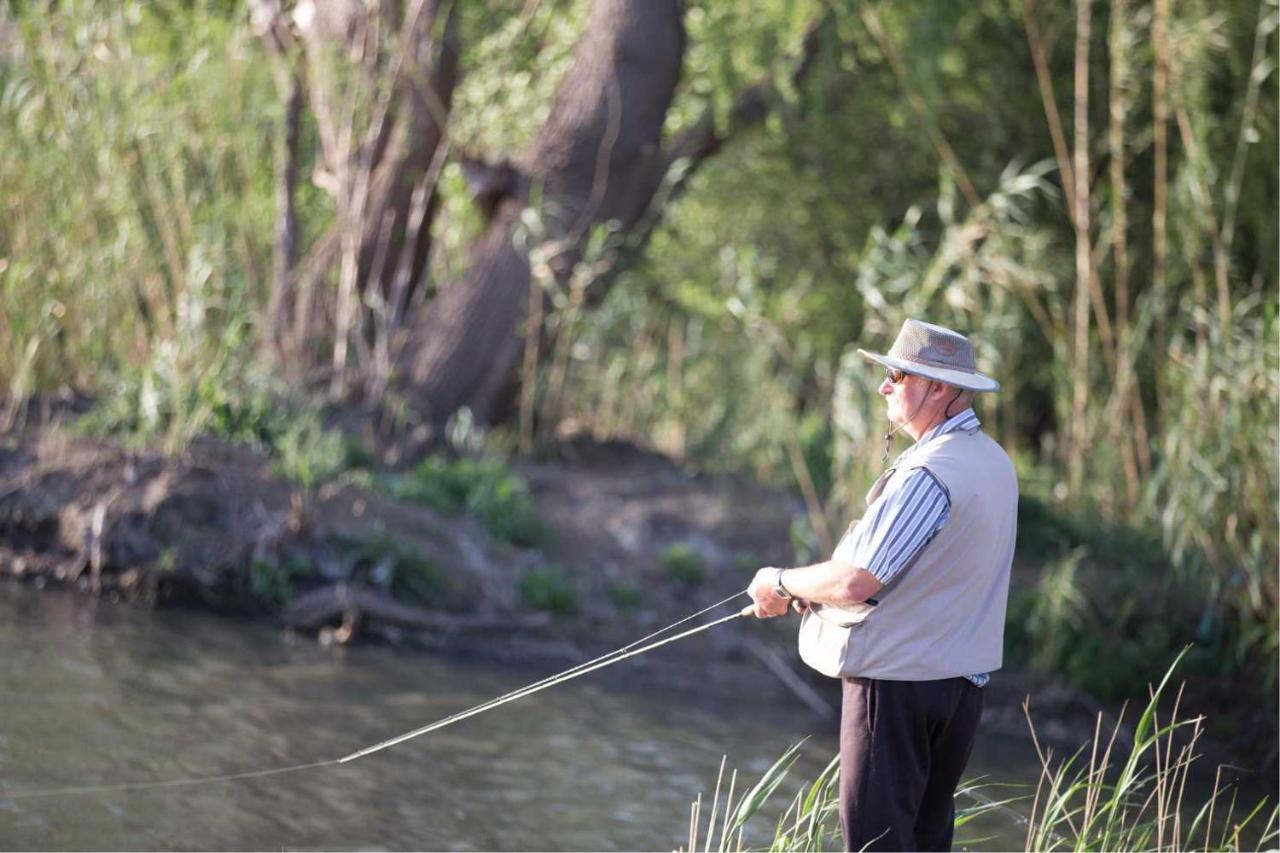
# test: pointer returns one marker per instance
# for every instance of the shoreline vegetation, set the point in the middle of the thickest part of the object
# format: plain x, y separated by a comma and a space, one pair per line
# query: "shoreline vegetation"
461, 550
1099, 798
282, 338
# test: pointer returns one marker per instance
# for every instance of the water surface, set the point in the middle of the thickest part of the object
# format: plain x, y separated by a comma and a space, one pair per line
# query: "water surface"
95, 692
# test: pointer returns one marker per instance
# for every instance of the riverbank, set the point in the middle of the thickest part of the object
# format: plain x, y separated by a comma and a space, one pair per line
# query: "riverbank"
617, 543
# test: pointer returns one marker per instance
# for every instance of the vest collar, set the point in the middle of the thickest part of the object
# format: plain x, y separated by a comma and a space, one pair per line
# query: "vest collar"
966, 421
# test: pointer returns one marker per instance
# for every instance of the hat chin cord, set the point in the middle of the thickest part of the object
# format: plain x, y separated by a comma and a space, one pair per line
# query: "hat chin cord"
888, 436
947, 411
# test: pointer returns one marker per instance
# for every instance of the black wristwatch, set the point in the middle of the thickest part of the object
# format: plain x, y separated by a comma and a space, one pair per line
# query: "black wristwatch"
778, 588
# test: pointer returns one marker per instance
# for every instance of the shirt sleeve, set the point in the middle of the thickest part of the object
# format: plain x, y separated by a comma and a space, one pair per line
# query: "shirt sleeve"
901, 524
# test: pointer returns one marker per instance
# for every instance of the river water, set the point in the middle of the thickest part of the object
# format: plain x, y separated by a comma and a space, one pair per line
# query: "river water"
94, 693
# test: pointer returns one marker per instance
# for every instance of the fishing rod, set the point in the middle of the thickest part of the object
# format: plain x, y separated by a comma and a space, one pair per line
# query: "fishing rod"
632, 649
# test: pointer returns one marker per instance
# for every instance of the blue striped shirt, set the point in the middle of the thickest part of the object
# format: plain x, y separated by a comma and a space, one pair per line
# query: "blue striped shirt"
905, 519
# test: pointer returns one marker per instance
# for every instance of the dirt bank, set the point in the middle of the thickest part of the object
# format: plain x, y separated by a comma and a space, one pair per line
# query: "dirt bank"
216, 527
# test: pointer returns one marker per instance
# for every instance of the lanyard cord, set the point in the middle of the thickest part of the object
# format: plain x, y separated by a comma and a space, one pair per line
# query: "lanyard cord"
632, 649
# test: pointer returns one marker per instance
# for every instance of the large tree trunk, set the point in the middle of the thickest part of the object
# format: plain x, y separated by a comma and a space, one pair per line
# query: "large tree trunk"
597, 158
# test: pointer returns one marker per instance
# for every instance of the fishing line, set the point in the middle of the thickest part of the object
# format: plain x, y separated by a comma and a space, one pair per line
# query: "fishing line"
498, 700
170, 783
632, 649
528, 691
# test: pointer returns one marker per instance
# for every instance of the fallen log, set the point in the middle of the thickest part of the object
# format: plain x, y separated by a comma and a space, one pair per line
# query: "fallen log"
350, 603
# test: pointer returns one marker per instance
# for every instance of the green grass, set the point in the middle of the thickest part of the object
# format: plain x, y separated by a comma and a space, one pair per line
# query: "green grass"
683, 565
810, 821
483, 486
155, 403
1107, 605
1099, 799
146, 407
393, 565
309, 454
626, 597
137, 176
272, 583
549, 588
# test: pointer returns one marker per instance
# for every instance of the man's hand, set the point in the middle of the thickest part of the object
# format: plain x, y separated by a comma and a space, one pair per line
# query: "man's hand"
768, 603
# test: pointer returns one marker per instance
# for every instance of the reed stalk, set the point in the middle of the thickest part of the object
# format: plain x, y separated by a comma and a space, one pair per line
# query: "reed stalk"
1119, 97
1104, 804
945, 152
1160, 189
1080, 219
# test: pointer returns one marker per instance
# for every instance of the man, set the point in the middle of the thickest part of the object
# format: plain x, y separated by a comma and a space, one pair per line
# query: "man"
909, 611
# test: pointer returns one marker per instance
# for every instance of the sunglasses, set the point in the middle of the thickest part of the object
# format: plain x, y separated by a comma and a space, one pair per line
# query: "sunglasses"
895, 375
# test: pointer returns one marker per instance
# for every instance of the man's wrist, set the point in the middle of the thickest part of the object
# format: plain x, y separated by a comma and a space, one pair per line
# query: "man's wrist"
779, 588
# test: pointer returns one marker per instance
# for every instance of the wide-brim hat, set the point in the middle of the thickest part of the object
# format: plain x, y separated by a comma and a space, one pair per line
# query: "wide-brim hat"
935, 353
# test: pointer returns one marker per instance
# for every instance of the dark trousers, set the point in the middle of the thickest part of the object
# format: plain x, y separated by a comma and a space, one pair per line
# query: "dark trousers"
903, 746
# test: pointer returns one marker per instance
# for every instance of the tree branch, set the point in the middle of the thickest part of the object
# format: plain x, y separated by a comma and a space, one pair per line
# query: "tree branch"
751, 106
685, 154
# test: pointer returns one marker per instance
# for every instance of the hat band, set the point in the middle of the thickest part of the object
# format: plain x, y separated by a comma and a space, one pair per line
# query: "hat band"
927, 363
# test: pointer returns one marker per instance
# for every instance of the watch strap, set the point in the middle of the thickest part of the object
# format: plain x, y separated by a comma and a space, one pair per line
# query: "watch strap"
778, 588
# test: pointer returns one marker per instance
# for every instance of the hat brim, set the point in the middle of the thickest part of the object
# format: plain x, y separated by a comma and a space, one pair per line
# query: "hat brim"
958, 378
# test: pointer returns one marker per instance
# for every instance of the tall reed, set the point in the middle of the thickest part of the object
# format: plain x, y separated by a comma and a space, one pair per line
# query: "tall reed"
136, 183
1115, 793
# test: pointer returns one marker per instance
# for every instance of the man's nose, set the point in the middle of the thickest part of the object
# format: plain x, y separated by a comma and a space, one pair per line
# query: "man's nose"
886, 387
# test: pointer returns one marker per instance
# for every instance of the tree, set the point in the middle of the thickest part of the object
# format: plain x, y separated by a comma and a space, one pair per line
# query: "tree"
598, 158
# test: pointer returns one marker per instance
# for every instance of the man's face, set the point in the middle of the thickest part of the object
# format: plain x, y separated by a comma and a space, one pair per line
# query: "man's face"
904, 398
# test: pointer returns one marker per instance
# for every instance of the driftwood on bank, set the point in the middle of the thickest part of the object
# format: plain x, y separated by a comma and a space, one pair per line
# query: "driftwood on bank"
775, 664
352, 603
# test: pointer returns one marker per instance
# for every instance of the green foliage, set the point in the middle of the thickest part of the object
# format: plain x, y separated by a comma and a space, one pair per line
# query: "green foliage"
1056, 617
624, 596
309, 454
511, 66
1114, 801
482, 486
154, 403
811, 819
1106, 607
136, 177
162, 400
549, 588
1214, 499
167, 562
683, 565
272, 583
395, 566
804, 542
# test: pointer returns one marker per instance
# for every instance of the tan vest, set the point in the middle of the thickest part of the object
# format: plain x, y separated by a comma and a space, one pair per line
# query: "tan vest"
943, 615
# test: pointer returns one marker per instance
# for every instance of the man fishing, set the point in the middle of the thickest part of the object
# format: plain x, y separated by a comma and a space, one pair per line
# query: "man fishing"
909, 611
